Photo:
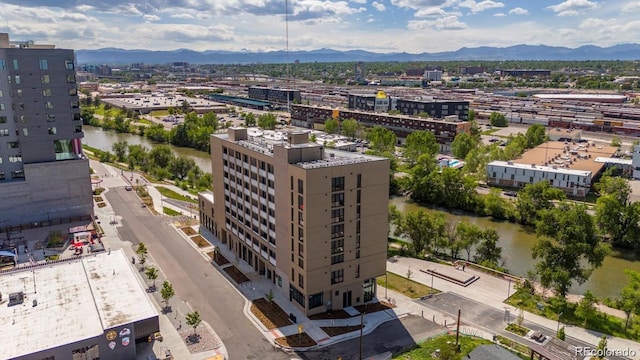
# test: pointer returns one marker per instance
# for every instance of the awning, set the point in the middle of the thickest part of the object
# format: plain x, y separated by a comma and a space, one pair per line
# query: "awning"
8, 253
77, 244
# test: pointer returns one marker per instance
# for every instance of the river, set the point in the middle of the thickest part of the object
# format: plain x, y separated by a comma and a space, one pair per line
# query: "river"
516, 240
100, 139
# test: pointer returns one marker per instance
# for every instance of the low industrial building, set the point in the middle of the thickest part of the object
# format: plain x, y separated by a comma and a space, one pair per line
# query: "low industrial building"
277, 95
85, 308
569, 167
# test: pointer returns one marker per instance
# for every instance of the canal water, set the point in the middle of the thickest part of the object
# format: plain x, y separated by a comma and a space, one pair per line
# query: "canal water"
516, 240
103, 140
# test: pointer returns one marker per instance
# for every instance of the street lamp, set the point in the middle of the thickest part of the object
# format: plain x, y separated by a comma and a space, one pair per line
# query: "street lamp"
509, 289
386, 284
558, 327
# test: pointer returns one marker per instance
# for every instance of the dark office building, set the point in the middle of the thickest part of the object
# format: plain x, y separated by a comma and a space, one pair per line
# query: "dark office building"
435, 109
281, 96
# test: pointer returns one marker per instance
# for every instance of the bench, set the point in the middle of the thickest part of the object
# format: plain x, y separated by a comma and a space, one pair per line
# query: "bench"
538, 336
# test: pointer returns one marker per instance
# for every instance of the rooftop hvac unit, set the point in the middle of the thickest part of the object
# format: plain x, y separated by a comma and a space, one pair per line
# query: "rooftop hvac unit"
16, 298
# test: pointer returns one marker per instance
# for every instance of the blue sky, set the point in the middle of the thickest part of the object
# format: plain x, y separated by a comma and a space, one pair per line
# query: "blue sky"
412, 26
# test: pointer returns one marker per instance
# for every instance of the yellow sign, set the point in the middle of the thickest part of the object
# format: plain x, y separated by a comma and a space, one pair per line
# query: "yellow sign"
111, 335
300, 327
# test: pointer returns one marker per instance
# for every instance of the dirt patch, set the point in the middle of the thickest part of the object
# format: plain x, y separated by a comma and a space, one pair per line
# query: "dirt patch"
334, 314
101, 204
296, 340
203, 340
188, 230
200, 241
238, 276
374, 307
218, 258
270, 314
97, 199
339, 330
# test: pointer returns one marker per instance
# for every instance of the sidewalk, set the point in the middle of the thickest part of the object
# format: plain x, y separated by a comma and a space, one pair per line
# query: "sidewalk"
171, 322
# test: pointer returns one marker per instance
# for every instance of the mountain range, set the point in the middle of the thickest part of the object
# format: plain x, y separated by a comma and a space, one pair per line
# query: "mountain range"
517, 52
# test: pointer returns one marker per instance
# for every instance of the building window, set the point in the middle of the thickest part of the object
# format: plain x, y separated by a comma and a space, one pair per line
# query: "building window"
3, 119
337, 246
46, 92
15, 64
44, 65
359, 180
68, 64
301, 281
13, 145
4, 132
48, 105
358, 195
295, 294
357, 271
315, 300
337, 184
25, 132
15, 158
301, 263
73, 92
3, 64
337, 276
52, 131
300, 186
45, 79
337, 215
19, 93
51, 118
337, 231
337, 199
71, 79
336, 259
75, 105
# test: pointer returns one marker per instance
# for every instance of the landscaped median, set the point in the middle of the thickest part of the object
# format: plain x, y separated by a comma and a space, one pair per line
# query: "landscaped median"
405, 286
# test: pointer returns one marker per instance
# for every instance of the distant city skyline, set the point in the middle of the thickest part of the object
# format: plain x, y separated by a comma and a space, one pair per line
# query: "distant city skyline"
412, 26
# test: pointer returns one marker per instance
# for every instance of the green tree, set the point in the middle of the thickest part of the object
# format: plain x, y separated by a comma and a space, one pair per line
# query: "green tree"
152, 274
161, 156
249, 120
120, 150
567, 247
495, 205
419, 143
267, 121
534, 198
422, 228
167, 292
536, 135
181, 166
488, 252
498, 119
382, 140
349, 127
586, 307
561, 333
462, 145
630, 296
615, 141
193, 319
331, 126
616, 214
469, 235
142, 253
602, 348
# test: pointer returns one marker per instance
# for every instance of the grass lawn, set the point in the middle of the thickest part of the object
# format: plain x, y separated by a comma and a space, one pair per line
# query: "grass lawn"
513, 345
550, 308
490, 131
170, 212
405, 286
144, 121
158, 113
174, 195
444, 343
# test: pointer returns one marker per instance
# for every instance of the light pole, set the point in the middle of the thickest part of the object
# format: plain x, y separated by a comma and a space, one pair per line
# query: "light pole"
558, 327
386, 284
509, 289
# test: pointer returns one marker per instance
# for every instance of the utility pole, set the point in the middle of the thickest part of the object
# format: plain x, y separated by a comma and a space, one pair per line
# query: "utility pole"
458, 331
361, 338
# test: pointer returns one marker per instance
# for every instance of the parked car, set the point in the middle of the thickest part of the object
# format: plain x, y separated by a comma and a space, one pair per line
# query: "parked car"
510, 193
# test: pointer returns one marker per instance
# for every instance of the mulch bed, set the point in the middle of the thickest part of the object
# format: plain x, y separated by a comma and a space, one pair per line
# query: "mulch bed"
204, 340
97, 199
296, 340
101, 205
339, 330
333, 314
200, 241
374, 307
238, 276
270, 314
188, 230
218, 258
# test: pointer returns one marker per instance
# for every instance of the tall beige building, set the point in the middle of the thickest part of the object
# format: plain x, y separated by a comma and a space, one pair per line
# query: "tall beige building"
311, 219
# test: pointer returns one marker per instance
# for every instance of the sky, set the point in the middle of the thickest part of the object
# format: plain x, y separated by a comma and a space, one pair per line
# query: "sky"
384, 26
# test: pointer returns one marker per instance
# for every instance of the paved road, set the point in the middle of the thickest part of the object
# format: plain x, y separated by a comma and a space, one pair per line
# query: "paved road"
392, 336
483, 316
193, 278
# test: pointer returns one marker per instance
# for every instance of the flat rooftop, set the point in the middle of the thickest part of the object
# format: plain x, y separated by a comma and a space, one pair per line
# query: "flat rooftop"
76, 299
572, 156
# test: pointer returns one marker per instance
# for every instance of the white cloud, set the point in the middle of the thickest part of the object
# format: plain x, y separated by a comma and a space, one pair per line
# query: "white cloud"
148, 17
444, 23
572, 7
499, 14
378, 6
419, 4
359, 1
477, 7
182, 16
518, 11
430, 11
633, 6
